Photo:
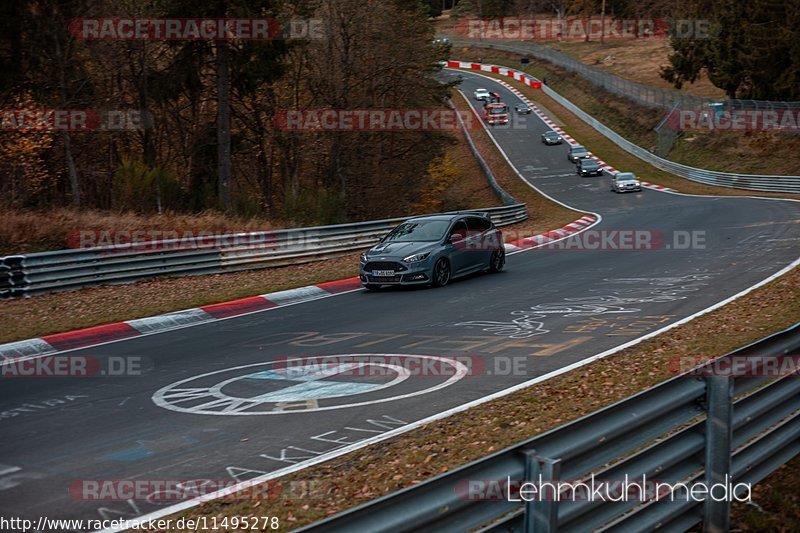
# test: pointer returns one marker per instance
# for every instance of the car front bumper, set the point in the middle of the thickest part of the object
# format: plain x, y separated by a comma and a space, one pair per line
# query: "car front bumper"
415, 275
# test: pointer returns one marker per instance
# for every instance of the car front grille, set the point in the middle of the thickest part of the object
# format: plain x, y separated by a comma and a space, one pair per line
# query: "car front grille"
384, 279
384, 265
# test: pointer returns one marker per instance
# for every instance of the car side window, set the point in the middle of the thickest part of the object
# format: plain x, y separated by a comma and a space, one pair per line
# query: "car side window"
460, 229
478, 225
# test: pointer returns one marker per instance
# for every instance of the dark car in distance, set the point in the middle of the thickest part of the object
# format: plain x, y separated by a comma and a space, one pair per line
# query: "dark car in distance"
551, 137
432, 250
588, 167
523, 109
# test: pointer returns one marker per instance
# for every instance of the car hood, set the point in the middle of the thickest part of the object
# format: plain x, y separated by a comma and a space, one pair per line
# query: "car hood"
399, 250
627, 180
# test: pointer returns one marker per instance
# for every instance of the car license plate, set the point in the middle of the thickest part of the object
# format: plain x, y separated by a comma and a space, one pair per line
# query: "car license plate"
383, 272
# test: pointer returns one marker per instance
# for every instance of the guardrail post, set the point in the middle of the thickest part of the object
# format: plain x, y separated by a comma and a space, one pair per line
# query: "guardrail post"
541, 513
719, 436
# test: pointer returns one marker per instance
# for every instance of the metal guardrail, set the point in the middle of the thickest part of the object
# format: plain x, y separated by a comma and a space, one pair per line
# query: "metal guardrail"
501, 193
696, 427
38, 273
770, 183
639, 93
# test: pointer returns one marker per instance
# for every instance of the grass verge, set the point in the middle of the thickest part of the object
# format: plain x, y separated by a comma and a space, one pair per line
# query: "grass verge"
775, 505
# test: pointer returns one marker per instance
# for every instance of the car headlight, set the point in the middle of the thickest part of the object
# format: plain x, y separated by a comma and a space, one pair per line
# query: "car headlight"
363, 257
638, 184
416, 257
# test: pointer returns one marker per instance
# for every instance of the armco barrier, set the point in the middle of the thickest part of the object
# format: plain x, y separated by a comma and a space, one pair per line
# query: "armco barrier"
39, 273
770, 183
696, 427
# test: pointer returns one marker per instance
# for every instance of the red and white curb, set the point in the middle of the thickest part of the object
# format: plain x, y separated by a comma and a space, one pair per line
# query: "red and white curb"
551, 236
155, 324
495, 69
536, 84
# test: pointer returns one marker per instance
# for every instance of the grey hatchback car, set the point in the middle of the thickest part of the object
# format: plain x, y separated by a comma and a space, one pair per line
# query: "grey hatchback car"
432, 250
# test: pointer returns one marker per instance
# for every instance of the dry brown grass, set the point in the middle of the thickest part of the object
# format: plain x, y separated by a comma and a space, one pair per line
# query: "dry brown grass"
777, 503
638, 60
23, 231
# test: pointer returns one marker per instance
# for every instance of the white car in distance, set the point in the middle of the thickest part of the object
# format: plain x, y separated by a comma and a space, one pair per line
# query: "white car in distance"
482, 94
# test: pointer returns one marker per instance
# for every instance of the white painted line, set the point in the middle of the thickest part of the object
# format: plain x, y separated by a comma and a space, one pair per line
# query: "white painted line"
8, 469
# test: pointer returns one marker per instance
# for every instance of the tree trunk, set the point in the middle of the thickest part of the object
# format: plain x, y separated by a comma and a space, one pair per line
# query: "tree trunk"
72, 171
148, 146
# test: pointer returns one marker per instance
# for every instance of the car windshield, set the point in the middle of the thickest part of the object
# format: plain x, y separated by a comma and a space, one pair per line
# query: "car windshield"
551, 134
625, 176
498, 110
589, 163
418, 231
577, 149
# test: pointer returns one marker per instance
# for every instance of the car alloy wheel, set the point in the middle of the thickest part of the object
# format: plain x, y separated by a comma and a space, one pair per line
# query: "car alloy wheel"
497, 261
441, 273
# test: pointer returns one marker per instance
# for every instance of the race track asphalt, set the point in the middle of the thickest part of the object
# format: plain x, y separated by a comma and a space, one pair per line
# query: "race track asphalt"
549, 308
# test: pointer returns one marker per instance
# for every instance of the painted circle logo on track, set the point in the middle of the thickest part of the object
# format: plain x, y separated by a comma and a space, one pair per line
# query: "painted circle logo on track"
310, 384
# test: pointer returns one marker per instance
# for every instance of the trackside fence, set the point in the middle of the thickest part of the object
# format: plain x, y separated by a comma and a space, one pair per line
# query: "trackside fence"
697, 427
639, 93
